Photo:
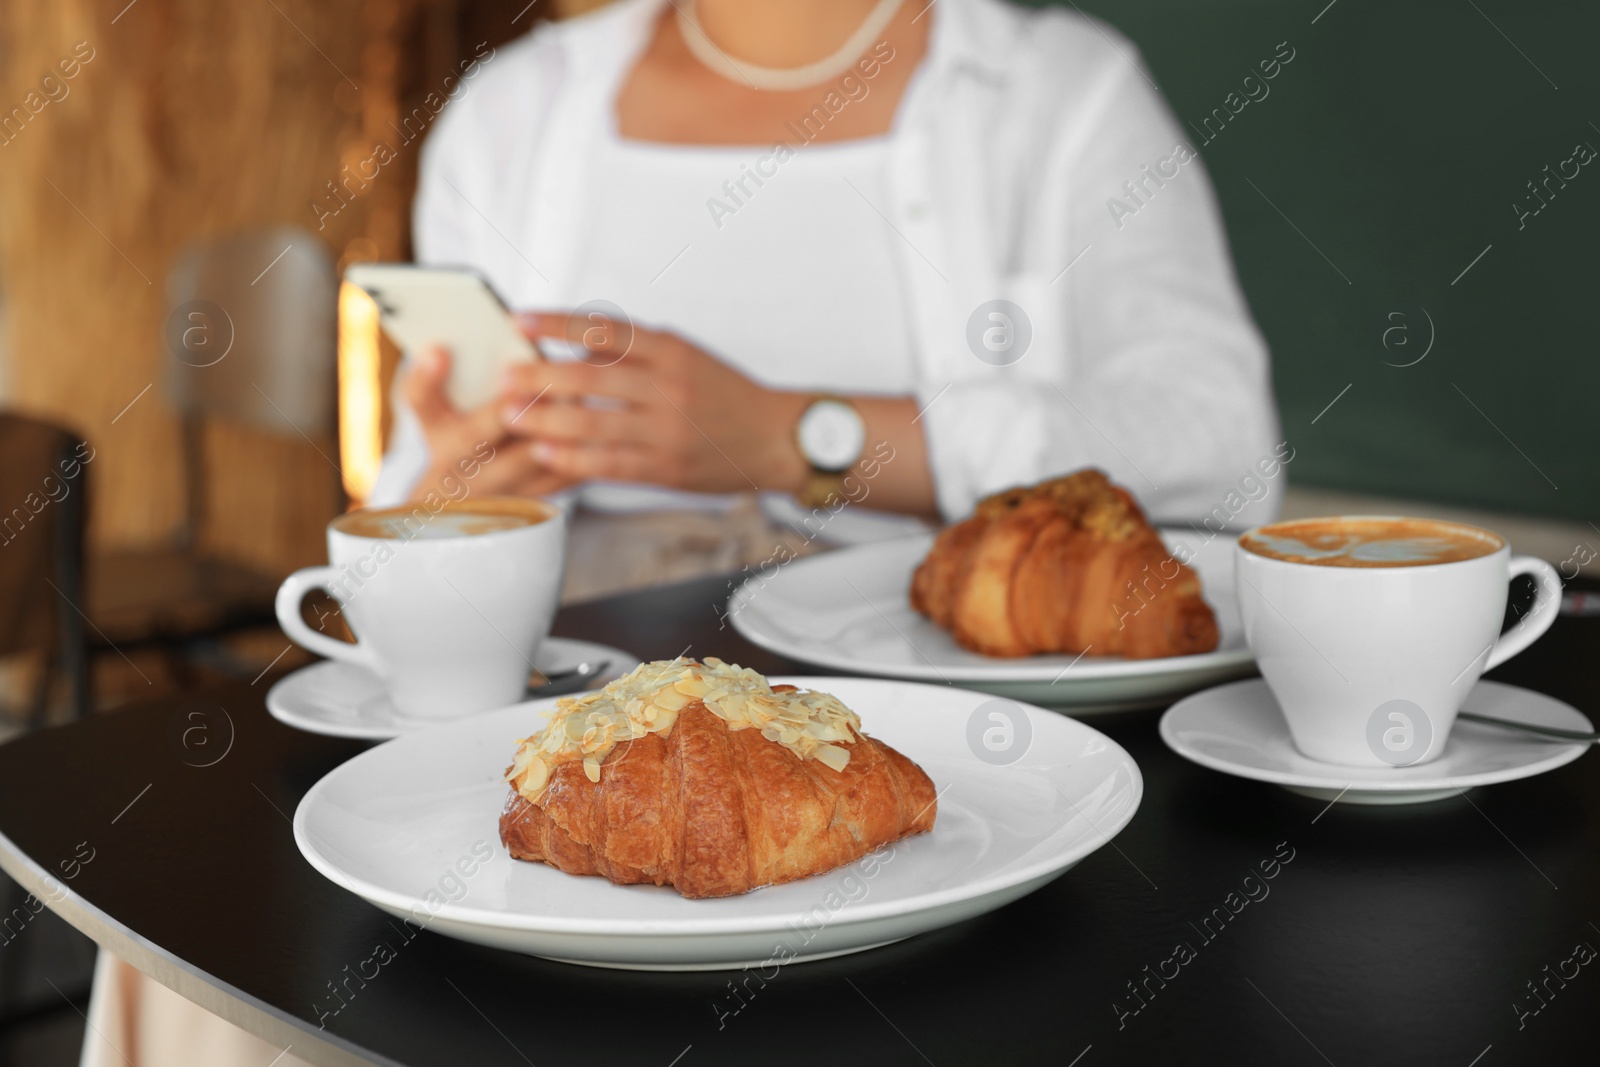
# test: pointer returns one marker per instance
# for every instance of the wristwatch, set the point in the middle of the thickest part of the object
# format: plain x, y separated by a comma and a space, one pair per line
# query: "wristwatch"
831, 436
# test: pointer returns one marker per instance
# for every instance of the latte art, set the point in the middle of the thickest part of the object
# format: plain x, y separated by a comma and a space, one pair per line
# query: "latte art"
1376, 542
472, 518
438, 526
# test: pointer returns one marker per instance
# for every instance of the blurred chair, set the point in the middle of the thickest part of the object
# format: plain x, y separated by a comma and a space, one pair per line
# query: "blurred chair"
42, 487
43, 484
250, 339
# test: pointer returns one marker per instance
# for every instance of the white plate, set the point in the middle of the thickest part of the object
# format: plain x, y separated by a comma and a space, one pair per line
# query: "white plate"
850, 610
1237, 729
416, 815
344, 700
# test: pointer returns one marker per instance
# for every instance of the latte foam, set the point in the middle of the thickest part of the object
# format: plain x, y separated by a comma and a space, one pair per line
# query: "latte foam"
1371, 542
469, 518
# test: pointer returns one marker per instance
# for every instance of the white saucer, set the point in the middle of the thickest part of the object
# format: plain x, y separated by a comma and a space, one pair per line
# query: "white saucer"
1237, 729
412, 826
343, 700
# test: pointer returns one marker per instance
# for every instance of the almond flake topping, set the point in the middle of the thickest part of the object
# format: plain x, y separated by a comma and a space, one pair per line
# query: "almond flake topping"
810, 724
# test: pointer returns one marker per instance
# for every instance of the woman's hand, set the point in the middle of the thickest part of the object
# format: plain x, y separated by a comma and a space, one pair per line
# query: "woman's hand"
647, 406
667, 412
469, 446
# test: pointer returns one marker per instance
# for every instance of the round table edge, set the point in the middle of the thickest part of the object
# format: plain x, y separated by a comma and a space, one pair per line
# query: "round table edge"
239, 1008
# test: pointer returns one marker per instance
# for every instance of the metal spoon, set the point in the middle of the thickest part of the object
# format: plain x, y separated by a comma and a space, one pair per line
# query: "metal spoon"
1549, 733
569, 681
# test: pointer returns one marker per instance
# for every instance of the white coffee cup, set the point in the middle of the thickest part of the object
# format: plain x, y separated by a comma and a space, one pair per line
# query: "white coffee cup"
447, 606
1370, 661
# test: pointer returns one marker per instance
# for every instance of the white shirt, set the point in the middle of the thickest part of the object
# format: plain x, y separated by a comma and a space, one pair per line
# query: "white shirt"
1012, 144
796, 284
789, 277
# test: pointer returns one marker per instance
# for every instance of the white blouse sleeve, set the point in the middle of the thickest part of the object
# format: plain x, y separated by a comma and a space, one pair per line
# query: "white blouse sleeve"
1147, 363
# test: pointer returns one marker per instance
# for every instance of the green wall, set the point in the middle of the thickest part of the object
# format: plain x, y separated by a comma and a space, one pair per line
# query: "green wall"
1398, 140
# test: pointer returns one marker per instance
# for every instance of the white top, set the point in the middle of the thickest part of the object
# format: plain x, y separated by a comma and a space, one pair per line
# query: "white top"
1011, 147
774, 262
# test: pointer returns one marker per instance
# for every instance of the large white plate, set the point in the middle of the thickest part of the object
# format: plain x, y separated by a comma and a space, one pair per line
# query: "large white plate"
418, 816
850, 610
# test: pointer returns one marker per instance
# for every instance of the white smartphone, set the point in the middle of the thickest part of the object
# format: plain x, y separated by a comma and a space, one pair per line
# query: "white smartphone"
453, 308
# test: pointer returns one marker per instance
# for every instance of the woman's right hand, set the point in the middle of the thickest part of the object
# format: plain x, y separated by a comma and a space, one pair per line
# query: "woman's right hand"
469, 447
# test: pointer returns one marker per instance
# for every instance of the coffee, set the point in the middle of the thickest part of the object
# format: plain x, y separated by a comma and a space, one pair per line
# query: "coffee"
1370, 648
469, 518
448, 604
1370, 542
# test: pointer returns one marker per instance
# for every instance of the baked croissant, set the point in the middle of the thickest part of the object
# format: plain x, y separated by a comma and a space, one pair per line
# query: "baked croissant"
702, 777
1069, 565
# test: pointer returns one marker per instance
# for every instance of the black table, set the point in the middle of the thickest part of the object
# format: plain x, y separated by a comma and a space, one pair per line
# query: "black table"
1388, 935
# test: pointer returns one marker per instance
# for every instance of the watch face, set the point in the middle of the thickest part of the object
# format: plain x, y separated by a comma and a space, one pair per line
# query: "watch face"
832, 435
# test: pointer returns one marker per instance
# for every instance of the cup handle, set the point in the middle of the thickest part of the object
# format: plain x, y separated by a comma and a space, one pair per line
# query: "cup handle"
1546, 604
293, 591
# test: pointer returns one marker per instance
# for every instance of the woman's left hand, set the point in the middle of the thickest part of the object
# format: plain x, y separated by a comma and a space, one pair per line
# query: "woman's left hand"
668, 413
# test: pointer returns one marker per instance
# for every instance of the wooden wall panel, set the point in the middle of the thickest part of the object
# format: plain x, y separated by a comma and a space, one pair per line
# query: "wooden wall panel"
190, 119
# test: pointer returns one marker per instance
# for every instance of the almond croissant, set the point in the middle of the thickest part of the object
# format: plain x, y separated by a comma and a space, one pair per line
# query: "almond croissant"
1069, 565
700, 776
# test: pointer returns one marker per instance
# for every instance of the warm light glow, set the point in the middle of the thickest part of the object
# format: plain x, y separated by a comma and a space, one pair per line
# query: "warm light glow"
360, 392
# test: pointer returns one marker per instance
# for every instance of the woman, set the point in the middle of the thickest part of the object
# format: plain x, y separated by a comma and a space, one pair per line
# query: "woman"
804, 270
820, 269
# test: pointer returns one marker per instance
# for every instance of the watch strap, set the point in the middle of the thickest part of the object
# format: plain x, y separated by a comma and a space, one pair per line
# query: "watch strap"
819, 488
